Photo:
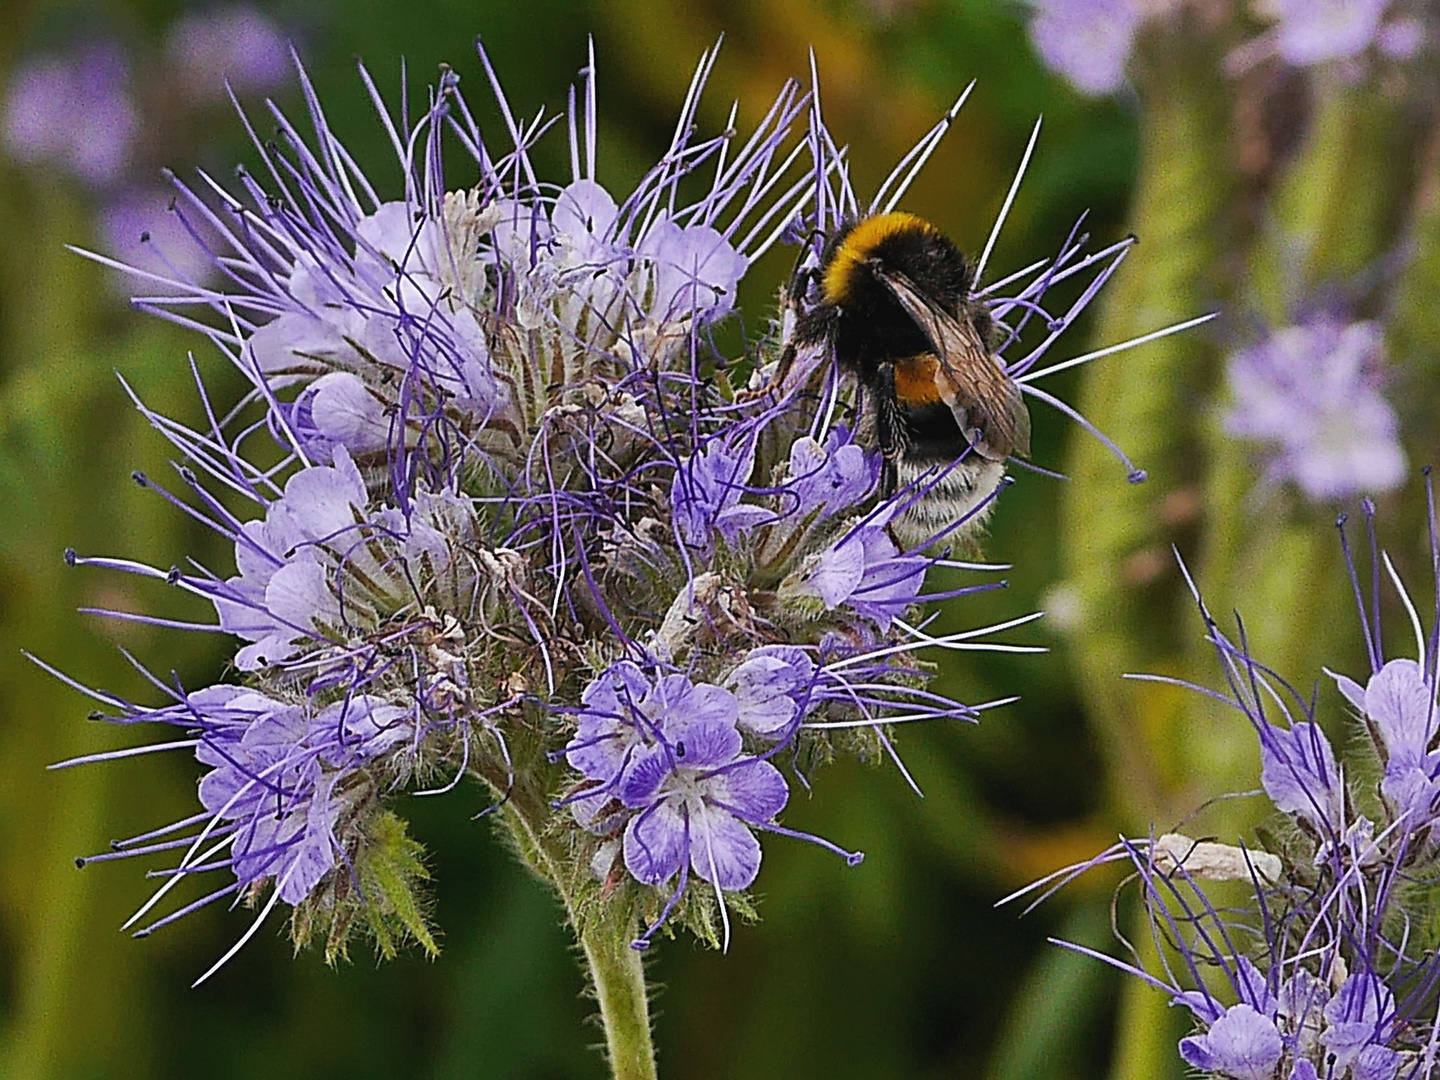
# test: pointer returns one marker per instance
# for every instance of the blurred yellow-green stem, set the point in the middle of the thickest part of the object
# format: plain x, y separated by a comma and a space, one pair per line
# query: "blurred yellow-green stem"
68, 437
1114, 535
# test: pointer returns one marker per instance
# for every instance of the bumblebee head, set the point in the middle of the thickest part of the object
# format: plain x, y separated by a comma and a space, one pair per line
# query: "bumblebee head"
900, 242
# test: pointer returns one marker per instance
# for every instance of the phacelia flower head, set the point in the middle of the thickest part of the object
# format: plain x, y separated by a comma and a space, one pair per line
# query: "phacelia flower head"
1322, 975
495, 517
1312, 394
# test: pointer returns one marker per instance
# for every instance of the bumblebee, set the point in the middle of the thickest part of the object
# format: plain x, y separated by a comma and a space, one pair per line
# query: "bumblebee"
897, 310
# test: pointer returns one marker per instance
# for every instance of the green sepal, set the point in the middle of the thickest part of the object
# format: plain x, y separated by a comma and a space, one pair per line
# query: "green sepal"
390, 905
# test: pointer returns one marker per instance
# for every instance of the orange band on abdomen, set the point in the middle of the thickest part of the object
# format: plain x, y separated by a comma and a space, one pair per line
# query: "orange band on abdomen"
915, 380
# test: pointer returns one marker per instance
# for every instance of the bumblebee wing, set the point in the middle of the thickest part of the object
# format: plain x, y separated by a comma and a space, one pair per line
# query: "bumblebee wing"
987, 404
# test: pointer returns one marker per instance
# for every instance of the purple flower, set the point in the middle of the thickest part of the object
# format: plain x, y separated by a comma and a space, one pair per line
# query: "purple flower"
836, 476
236, 44
283, 594
141, 229
699, 799
1357, 1020
1298, 771
624, 714
324, 569
1243, 1044
1330, 924
1400, 702
279, 797
706, 492
502, 475
1087, 41
1314, 31
277, 776
772, 687
867, 574
338, 409
695, 271
388, 316
74, 111
1312, 392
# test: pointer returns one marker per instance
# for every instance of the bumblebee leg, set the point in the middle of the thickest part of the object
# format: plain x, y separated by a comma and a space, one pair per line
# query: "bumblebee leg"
795, 293
888, 432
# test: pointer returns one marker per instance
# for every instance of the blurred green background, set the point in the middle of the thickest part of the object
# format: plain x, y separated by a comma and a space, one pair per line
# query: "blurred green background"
899, 968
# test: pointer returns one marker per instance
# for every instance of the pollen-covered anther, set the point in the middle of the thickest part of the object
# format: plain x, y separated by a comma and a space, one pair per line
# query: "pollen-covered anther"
708, 605
1215, 862
503, 567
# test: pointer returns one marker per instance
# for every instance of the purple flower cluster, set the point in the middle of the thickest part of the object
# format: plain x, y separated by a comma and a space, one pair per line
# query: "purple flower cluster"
505, 486
74, 111
669, 774
1090, 42
101, 112
1312, 394
1308, 32
1330, 974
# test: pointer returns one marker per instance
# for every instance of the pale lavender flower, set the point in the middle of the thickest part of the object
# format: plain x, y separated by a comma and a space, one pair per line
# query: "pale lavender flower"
773, 687
1314, 31
668, 772
1312, 393
1298, 771
279, 777
1399, 701
1357, 1023
834, 476
1243, 1043
140, 227
74, 111
698, 799
235, 44
1087, 41
865, 572
1306, 33
624, 714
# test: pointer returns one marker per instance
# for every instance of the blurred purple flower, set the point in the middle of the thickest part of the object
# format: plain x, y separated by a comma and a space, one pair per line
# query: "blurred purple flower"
238, 44
1312, 391
1087, 41
1401, 39
74, 111
1314, 31
142, 229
